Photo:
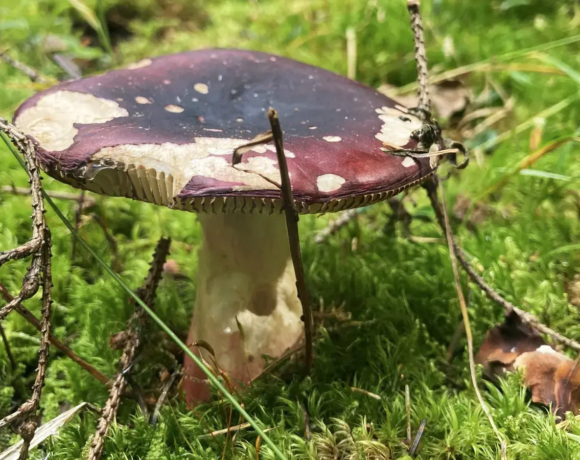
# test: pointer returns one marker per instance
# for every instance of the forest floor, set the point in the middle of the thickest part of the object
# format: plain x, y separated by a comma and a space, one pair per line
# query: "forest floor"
390, 286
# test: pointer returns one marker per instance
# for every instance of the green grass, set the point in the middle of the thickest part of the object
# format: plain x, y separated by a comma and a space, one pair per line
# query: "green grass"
405, 287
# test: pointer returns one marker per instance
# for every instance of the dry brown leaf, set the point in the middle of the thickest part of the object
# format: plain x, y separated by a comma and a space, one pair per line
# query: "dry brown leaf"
554, 379
504, 343
447, 97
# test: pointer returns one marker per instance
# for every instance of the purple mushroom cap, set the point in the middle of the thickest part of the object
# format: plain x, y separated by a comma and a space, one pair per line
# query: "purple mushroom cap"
163, 131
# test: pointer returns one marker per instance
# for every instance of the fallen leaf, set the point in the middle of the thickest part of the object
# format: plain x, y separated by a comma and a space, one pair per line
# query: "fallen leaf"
43, 432
504, 344
447, 97
554, 379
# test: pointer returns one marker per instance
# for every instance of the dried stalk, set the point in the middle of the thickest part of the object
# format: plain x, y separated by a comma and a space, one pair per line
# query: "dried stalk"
525, 317
136, 323
25, 69
39, 272
468, 334
28, 316
420, 54
293, 236
291, 221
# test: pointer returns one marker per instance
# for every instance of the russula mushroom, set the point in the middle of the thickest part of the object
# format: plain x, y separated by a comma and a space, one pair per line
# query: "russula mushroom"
163, 131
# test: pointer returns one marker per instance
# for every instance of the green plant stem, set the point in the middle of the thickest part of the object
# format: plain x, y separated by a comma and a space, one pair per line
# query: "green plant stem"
212, 378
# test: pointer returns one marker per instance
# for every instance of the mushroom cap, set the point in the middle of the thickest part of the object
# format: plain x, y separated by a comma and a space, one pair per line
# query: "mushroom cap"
163, 131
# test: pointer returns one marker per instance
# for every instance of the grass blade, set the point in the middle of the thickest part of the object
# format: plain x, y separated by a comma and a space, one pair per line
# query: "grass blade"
214, 380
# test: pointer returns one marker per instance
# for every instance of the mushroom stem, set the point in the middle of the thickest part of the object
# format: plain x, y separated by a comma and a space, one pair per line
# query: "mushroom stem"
247, 305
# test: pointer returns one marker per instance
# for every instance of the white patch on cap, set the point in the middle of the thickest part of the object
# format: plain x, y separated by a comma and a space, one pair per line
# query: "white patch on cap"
259, 149
143, 100
546, 349
140, 64
201, 88
408, 162
287, 152
174, 108
184, 161
329, 182
332, 138
51, 121
397, 126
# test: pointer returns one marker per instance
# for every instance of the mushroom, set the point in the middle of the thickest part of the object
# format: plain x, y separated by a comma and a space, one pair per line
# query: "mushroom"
163, 131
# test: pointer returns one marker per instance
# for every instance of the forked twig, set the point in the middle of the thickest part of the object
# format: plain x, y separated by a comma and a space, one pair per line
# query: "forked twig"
29, 316
39, 273
136, 323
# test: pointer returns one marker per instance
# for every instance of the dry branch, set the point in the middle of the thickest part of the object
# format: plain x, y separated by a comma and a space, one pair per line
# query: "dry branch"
39, 272
293, 236
89, 200
420, 54
136, 323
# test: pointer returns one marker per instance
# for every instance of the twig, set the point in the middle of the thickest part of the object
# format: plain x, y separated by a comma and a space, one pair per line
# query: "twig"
336, 224
39, 248
291, 221
25, 69
78, 213
28, 316
147, 294
162, 397
418, 436
420, 54
8, 349
365, 392
293, 236
89, 201
468, 334
493, 295
307, 432
351, 52
408, 409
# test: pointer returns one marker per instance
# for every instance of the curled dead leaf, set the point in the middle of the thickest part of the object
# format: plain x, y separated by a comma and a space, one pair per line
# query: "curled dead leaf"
552, 378
504, 343
447, 97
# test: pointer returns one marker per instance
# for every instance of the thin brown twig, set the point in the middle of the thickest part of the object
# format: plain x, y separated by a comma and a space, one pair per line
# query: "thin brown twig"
39, 273
78, 214
147, 294
468, 334
7, 348
335, 225
31, 73
291, 221
89, 201
28, 316
420, 54
493, 295
408, 410
293, 236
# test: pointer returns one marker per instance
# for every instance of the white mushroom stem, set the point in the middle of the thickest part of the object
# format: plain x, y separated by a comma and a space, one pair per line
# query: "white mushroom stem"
247, 305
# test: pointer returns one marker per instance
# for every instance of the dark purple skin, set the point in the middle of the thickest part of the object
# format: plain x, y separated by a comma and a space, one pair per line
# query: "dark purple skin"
244, 84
